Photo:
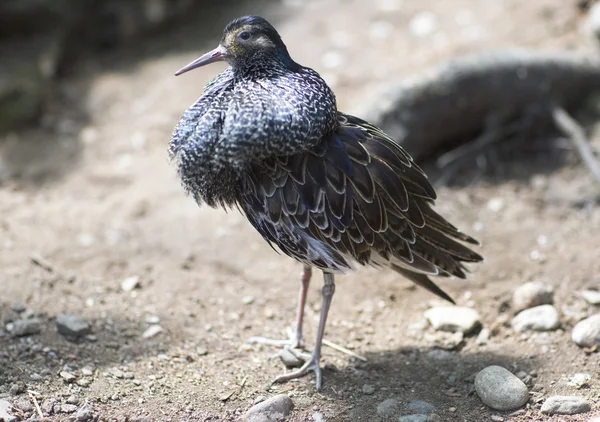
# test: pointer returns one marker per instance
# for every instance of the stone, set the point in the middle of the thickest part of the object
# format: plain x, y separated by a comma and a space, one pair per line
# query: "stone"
586, 333
48, 405
26, 327
591, 296
84, 414
152, 331
565, 405
5, 408
68, 408
368, 389
413, 418
453, 318
130, 283
17, 307
273, 409
499, 389
17, 388
289, 359
67, 376
72, 326
388, 408
421, 406
539, 318
533, 293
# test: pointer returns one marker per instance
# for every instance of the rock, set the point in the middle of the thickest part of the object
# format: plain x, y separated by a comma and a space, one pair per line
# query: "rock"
539, 318
453, 318
289, 359
130, 283
591, 296
533, 293
565, 405
84, 414
48, 405
421, 406
368, 389
17, 388
68, 408
388, 408
587, 332
273, 409
444, 340
434, 418
67, 376
72, 326
483, 337
5, 408
413, 418
579, 380
17, 306
499, 389
152, 331
26, 327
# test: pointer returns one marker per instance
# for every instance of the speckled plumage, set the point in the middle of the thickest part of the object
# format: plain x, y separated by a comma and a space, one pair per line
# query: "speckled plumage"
326, 188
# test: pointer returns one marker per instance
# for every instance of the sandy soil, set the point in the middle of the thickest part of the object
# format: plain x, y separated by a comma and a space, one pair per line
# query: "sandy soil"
93, 193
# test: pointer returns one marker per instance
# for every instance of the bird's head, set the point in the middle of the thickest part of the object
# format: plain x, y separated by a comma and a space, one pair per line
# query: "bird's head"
245, 40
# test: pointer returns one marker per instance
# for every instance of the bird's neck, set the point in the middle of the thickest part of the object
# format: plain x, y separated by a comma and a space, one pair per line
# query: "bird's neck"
263, 67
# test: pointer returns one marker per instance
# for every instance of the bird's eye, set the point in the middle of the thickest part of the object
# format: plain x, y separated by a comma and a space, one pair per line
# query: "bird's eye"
244, 35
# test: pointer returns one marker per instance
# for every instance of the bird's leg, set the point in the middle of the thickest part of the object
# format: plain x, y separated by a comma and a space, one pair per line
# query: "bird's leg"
313, 363
296, 341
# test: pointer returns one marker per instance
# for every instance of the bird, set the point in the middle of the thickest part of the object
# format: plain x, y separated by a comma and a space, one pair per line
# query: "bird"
323, 187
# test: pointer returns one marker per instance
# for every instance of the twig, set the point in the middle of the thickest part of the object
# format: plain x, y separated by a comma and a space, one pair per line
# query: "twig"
343, 350
574, 131
42, 263
37, 406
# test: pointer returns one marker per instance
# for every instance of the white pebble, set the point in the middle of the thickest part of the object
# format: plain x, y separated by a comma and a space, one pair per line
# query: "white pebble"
152, 331
533, 293
453, 318
591, 296
130, 283
495, 204
540, 318
587, 332
275, 408
423, 24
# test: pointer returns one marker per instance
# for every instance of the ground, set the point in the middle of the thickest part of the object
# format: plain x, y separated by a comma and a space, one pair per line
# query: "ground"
92, 196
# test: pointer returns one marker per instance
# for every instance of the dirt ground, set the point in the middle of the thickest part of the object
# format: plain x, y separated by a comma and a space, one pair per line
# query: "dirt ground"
93, 193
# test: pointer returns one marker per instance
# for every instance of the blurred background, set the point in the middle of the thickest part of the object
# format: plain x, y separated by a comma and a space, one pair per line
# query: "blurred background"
93, 221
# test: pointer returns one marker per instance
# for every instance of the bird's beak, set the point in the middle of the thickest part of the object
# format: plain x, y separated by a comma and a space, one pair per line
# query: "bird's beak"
216, 55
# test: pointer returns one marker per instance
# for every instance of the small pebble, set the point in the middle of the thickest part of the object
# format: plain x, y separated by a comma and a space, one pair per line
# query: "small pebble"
539, 318
67, 376
47, 405
152, 319
591, 296
73, 399
368, 389
289, 359
421, 406
5, 408
423, 24
586, 333
17, 307
84, 414
26, 327
498, 388
72, 326
453, 318
565, 405
152, 331
387, 408
318, 417
413, 418
496, 418
130, 283
533, 293
483, 337
248, 300
17, 388
68, 408
579, 380
275, 408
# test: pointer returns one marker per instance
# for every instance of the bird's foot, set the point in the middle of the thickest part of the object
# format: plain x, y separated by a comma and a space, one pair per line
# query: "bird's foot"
312, 365
295, 341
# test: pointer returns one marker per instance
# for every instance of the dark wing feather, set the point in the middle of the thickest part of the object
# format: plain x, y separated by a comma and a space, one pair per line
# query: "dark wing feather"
357, 195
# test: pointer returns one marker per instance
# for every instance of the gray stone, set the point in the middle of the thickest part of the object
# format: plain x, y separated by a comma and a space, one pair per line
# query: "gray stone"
453, 318
413, 418
84, 414
67, 376
48, 405
368, 389
68, 408
289, 358
272, 409
532, 294
17, 388
499, 389
152, 331
539, 318
421, 406
565, 405
387, 408
586, 333
72, 326
17, 307
5, 408
26, 327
